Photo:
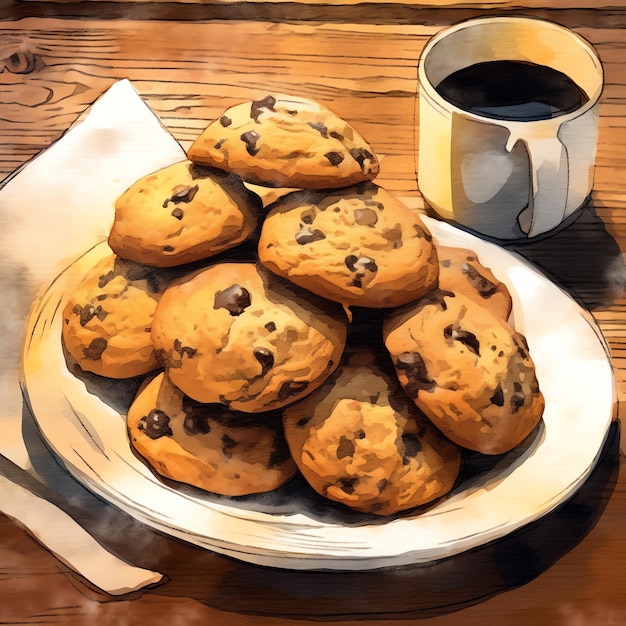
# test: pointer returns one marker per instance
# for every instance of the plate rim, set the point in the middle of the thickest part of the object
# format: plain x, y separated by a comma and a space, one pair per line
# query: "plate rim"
338, 555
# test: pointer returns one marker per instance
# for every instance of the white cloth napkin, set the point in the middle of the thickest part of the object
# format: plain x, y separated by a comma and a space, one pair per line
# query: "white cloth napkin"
52, 209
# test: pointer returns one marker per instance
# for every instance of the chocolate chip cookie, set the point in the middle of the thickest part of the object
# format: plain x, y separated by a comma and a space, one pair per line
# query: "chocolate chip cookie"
360, 441
461, 271
234, 333
359, 246
107, 318
467, 369
181, 214
286, 141
205, 445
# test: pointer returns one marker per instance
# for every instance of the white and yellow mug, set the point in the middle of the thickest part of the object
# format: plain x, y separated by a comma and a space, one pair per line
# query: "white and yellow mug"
509, 178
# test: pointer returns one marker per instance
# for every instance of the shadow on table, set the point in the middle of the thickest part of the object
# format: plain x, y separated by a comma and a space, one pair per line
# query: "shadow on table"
583, 258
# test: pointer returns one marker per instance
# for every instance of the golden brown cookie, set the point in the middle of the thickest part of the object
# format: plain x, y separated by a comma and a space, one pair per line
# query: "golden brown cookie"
182, 213
286, 141
461, 271
358, 246
468, 370
234, 333
107, 319
360, 441
208, 446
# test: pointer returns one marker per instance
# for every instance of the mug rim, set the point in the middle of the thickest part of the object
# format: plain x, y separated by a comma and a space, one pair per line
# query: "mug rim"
431, 91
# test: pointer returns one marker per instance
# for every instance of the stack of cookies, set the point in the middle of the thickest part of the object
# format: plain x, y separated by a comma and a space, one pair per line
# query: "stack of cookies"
326, 334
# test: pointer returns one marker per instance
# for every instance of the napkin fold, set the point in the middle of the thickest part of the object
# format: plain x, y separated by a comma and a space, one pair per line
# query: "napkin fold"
51, 210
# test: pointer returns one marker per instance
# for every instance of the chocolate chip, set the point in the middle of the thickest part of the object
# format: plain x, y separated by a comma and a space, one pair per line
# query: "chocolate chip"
265, 358
167, 249
345, 448
87, 313
335, 135
225, 121
306, 234
484, 286
394, 236
177, 213
303, 421
498, 396
381, 485
250, 138
334, 158
308, 216
218, 145
183, 350
156, 424
463, 336
446, 263
270, 327
517, 398
257, 106
320, 127
228, 443
235, 299
347, 485
291, 388
105, 279
365, 217
522, 346
361, 156
181, 193
412, 446
412, 365
95, 349
358, 263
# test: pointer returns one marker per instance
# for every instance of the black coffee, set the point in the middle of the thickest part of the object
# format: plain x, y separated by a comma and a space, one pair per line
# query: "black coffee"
512, 90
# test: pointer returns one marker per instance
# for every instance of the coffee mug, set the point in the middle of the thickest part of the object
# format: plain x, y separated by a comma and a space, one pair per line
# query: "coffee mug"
508, 114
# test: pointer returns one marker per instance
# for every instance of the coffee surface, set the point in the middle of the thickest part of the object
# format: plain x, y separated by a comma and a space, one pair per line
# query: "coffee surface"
512, 90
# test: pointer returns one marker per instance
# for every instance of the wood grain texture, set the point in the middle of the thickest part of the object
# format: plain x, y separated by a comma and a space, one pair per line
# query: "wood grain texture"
467, 4
364, 67
572, 14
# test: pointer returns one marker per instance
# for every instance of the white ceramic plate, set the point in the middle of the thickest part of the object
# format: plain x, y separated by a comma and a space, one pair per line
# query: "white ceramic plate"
82, 420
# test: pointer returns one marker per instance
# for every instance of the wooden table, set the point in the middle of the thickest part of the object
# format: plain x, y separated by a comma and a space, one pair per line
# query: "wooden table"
189, 61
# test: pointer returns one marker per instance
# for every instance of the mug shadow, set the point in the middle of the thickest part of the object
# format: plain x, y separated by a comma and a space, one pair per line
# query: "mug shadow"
409, 592
583, 258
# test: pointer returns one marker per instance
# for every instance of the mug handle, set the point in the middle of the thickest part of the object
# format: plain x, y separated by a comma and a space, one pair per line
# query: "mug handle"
549, 173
